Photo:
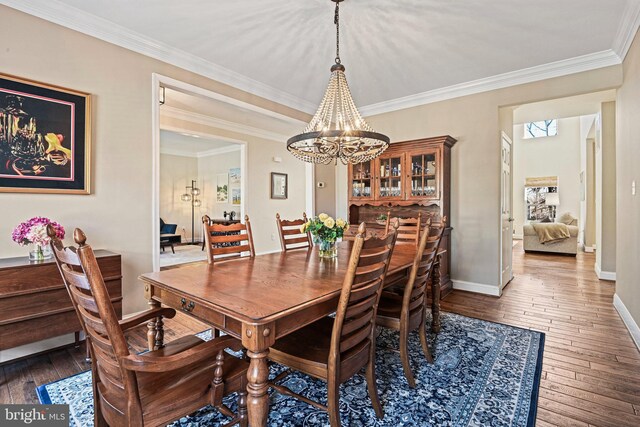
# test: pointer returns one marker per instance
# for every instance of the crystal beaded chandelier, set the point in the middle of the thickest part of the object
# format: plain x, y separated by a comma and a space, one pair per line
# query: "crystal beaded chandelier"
337, 130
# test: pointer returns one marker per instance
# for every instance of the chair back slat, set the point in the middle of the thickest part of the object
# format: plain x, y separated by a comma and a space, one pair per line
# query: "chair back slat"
290, 235
415, 295
227, 241
354, 325
84, 283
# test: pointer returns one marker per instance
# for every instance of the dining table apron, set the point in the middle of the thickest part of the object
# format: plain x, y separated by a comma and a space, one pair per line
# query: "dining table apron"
261, 299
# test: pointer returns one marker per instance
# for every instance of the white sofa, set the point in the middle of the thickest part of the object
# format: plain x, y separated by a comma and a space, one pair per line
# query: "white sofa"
567, 246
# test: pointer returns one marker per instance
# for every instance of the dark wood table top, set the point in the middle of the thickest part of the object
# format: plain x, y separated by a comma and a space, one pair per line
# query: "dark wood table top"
262, 289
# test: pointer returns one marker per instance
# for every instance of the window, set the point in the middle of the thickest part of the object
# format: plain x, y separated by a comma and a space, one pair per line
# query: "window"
541, 129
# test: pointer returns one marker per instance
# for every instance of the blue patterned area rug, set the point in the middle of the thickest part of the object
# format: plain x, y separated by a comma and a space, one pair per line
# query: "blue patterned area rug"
485, 374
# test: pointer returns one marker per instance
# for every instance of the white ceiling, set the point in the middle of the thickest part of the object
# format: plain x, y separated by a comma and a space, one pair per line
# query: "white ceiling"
282, 49
189, 145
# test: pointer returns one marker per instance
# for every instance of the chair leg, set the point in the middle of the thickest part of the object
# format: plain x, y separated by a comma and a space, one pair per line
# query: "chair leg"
404, 356
242, 409
371, 385
423, 341
333, 400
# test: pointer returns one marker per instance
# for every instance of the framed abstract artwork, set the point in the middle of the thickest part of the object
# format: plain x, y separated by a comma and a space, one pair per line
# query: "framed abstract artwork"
45, 138
279, 185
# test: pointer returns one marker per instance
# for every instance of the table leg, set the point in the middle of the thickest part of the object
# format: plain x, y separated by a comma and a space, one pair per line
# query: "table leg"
435, 296
257, 387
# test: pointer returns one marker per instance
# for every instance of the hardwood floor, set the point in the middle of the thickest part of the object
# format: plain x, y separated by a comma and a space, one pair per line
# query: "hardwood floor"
591, 367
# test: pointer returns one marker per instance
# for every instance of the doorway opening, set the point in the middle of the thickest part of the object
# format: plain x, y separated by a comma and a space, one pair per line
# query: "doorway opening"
562, 181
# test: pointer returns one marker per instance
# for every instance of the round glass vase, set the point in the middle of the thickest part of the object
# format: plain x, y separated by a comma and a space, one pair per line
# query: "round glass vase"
39, 252
326, 248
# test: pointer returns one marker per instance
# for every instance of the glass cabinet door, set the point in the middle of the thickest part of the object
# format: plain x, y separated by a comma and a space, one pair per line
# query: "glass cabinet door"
424, 175
361, 180
390, 178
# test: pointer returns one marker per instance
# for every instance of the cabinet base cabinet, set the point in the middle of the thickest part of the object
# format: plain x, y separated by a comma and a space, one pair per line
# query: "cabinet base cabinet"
35, 305
411, 177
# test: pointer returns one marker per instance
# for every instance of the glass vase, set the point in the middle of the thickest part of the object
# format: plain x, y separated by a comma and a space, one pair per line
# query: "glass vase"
326, 248
39, 252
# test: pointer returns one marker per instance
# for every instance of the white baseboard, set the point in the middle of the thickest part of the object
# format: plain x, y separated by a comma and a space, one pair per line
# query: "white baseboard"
36, 347
589, 249
269, 252
518, 236
604, 275
629, 322
478, 288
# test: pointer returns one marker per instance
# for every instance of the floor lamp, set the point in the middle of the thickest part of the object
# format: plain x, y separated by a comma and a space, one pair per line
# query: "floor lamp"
191, 196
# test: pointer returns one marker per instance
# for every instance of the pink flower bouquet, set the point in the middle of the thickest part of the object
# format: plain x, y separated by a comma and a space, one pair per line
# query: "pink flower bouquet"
34, 231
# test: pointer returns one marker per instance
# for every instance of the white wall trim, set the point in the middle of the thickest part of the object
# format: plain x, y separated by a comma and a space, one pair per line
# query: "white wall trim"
479, 288
560, 68
627, 29
628, 320
103, 29
273, 251
189, 116
604, 275
518, 236
589, 249
221, 150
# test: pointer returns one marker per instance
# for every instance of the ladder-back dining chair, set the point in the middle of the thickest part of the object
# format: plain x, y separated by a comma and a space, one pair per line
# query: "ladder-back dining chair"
407, 312
152, 388
334, 350
227, 241
408, 229
290, 235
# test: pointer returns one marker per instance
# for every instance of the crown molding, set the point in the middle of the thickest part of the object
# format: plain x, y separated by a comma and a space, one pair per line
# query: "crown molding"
564, 67
221, 150
179, 114
200, 154
628, 29
100, 28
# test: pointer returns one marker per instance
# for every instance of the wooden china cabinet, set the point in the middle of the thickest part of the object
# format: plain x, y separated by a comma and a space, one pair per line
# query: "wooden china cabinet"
410, 177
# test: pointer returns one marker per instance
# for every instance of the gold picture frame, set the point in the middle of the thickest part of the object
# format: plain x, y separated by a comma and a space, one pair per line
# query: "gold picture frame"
45, 138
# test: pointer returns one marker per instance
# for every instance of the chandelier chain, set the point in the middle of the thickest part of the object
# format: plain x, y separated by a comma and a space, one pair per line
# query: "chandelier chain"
336, 20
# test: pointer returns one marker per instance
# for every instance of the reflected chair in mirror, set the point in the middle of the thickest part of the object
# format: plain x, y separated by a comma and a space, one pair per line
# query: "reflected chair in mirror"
227, 241
334, 350
290, 235
152, 388
406, 312
408, 229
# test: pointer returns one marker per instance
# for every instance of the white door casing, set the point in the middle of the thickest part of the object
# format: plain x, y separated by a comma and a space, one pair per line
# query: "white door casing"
506, 206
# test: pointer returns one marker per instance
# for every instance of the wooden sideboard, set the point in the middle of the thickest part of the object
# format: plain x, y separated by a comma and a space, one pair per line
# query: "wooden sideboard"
34, 304
408, 178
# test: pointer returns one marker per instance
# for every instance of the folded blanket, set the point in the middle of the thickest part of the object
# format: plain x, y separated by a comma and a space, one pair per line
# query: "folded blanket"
550, 232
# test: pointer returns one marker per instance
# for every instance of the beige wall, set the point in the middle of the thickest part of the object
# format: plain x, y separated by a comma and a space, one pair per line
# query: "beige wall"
176, 173
475, 186
326, 197
550, 156
628, 205
208, 169
117, 215
605, 190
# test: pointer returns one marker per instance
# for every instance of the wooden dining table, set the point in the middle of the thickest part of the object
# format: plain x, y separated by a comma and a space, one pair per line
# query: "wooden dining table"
261, 299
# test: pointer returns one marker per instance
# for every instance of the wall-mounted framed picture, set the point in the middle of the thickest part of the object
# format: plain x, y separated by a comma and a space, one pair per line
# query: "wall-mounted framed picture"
45, 138
222, 188
279, 185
